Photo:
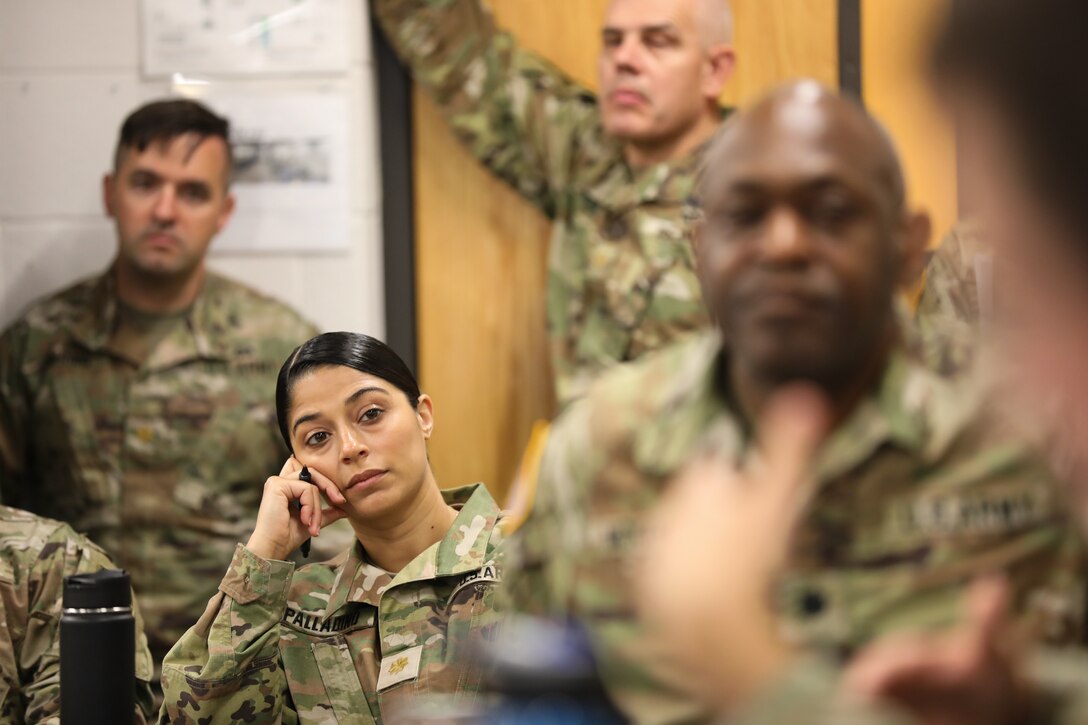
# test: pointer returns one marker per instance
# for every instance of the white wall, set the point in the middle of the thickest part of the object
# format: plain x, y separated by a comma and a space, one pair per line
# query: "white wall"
69, 73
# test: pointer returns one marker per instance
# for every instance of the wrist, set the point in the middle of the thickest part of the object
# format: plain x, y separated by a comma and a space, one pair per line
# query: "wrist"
752, 659
265, 548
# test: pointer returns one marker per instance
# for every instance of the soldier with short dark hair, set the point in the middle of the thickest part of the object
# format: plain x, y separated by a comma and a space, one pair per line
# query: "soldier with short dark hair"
134, 405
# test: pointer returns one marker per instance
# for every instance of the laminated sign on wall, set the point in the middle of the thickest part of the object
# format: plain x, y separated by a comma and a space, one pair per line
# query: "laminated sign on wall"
244, 36
290, 172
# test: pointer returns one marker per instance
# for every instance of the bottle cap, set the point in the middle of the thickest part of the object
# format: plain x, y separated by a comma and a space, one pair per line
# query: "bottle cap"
105, 589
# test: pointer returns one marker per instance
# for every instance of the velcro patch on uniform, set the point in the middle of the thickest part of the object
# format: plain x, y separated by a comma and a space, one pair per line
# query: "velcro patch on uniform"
316, 624
489, 572
976, 512
400, 667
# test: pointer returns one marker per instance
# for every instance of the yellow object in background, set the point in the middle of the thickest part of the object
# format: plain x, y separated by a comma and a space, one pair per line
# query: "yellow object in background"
519, 501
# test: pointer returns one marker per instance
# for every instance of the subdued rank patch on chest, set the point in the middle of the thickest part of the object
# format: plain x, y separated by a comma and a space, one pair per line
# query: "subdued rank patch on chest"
314, 623
989, 512
400, 667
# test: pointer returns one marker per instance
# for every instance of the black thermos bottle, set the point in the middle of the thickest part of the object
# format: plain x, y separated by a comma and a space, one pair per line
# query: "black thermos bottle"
97, 650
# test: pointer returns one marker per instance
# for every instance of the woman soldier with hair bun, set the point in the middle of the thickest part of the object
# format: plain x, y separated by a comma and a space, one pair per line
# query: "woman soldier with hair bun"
350, 639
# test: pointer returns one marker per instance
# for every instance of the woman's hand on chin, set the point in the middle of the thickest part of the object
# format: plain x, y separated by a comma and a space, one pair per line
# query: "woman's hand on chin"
292, 511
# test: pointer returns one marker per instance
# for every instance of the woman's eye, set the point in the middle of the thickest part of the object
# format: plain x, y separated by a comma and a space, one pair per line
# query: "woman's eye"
372, 414
317, 438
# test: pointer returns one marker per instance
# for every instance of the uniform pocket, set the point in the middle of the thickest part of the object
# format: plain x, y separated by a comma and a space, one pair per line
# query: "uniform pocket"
81, 427
344, 694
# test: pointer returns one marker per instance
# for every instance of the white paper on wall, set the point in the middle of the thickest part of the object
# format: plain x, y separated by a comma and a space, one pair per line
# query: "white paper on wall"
290, 172
244, 37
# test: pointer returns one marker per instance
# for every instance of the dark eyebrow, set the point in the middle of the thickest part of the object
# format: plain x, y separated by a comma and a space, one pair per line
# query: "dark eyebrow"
304, 419
749, 186
659, 28
347, 401
141, 171
363, 391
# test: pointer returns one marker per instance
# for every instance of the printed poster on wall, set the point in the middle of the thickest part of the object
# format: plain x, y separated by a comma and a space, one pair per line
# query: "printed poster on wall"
290, 172
244, 37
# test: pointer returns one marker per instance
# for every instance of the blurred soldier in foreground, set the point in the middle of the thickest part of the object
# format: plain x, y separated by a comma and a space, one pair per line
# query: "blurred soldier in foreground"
36, 555
135, 405
916, 486
1025, 161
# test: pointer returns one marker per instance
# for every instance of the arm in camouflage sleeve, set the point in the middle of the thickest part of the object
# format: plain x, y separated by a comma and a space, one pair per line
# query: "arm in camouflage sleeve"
64, 553
540, 554
810, 694
516, 113
14, 413
226, 668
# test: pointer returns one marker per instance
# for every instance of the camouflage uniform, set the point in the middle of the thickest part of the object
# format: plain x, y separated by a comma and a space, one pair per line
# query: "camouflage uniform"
35, 556
162, 463
621, 270
957, 300
917, 491
341, 641
808, 694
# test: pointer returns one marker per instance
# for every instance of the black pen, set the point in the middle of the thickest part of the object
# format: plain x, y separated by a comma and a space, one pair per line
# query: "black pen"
304, 475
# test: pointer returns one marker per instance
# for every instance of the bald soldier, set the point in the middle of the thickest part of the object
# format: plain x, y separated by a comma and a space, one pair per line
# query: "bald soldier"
916, 487
616, 172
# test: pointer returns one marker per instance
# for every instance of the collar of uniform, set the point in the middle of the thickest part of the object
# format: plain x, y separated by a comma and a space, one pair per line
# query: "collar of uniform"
911, 408
359, 580
691, 410
199, 337
464, 547
93, 326
619, 187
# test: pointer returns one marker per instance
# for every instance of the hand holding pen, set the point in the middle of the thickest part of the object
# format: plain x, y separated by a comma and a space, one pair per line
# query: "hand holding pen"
304, 475
292, 511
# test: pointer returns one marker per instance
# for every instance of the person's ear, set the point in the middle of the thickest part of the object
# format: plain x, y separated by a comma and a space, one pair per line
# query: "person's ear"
720, 61
107, 194
225, 214
425, 414
914, 240
697, 237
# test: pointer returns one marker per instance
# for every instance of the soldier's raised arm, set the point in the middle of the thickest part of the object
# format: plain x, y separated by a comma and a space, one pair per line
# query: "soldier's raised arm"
514, 111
